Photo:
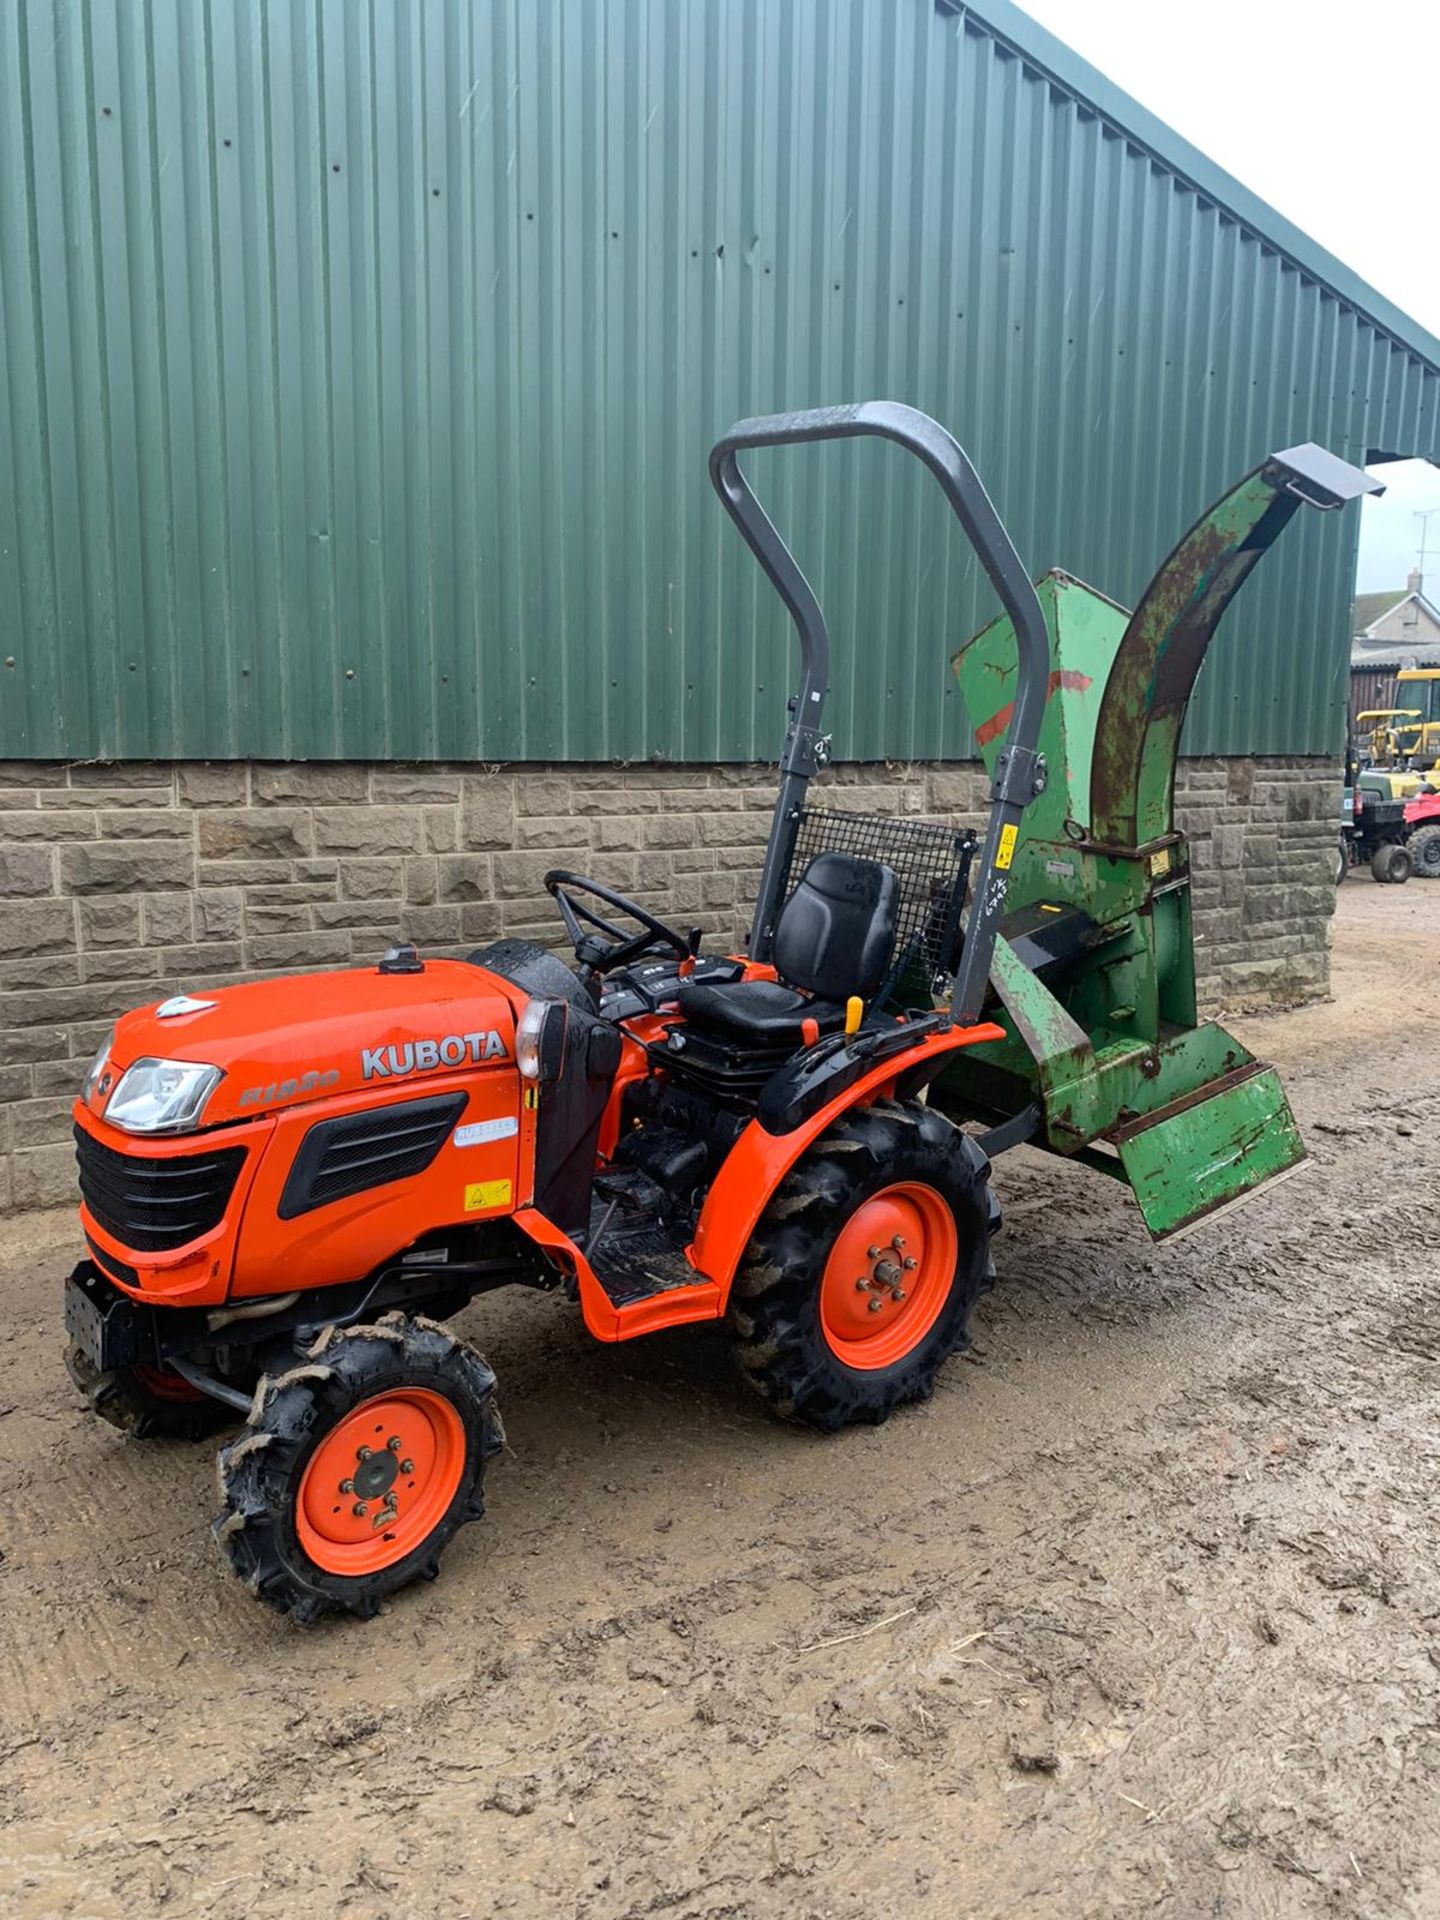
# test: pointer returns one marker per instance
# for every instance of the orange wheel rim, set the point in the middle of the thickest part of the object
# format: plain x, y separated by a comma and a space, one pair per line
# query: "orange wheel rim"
888, 1276
380, 1482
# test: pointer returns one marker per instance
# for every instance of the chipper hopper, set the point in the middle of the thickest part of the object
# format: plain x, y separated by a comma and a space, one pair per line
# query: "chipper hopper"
1103, 1058
291, 1186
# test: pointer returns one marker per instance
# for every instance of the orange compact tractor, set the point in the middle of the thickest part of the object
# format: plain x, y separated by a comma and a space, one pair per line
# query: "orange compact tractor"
289, 1187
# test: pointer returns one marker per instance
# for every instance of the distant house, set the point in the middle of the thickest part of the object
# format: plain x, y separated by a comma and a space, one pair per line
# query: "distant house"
1391, 630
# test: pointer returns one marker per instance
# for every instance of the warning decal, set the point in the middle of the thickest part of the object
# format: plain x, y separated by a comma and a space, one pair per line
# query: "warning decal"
484, 1194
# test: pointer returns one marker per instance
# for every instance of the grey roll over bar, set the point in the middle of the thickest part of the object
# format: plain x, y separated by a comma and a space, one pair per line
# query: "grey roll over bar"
1019, 770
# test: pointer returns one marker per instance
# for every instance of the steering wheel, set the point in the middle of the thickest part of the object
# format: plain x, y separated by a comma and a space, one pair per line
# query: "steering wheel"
592, 951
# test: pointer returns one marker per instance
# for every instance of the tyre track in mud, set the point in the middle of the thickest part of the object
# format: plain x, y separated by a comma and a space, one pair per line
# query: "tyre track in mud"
1138, 1615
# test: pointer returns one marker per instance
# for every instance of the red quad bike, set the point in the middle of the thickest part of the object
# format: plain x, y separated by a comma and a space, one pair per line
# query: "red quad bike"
290, 1187
1422, 824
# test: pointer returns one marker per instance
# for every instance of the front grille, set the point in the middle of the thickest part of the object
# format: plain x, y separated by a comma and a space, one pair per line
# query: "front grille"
153, 1205
117, 1269
341, 1157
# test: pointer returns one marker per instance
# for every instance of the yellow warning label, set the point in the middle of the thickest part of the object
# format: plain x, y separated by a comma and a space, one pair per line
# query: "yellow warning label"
531, 1098
1006, 853
1160, 862
484, 1194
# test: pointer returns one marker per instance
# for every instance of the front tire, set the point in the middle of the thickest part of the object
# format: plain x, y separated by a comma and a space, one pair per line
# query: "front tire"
357, 1467
148, 1403
891, 1207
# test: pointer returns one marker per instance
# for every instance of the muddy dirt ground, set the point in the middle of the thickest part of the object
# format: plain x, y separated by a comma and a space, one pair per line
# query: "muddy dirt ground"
1141, 1614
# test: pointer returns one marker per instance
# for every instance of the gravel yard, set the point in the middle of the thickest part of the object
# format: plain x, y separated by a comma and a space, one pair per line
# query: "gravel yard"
1141, 1614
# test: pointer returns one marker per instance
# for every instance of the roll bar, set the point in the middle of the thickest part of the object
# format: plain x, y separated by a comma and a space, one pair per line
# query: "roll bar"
1019, 770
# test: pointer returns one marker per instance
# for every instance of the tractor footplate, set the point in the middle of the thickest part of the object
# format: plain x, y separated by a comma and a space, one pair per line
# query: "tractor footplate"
635, 1258
636, 1267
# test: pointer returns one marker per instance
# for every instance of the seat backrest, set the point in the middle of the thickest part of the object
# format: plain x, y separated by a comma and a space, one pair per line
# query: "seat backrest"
837, 930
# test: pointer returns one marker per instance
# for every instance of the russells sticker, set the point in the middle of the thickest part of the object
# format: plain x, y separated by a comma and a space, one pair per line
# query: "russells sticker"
425, 1056
479, 1133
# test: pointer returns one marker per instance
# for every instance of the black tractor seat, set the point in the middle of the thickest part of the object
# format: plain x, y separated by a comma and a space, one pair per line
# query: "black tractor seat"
761, 1011
834, 938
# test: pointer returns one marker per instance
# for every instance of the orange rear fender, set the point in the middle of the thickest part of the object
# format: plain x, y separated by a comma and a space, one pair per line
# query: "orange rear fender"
759, 1161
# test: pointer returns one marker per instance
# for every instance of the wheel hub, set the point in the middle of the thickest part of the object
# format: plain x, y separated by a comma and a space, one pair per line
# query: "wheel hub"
376, 1473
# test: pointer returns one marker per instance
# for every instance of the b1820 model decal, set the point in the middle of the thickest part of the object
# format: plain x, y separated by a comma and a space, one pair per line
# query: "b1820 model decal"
311, 1082
423, 1056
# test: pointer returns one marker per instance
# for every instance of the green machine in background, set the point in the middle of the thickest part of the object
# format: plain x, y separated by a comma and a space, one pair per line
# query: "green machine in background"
1104, 1059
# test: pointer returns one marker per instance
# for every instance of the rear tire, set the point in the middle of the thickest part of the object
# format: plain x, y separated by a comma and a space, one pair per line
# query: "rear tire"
805, 1334
1342, 861
357, 1467
1423, 848
1390, 864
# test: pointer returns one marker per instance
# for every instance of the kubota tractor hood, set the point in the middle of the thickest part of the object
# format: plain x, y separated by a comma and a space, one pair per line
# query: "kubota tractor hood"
280, 1042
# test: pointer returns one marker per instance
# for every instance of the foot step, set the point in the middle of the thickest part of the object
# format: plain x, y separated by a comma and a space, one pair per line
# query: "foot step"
628, 1276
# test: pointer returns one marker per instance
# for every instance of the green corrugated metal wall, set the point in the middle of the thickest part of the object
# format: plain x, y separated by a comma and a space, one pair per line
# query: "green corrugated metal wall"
361, 360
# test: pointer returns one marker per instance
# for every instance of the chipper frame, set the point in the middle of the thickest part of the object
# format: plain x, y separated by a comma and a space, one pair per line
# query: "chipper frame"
1103, 1059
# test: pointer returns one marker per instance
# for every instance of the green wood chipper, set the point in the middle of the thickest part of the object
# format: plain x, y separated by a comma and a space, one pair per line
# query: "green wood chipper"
1104, 1059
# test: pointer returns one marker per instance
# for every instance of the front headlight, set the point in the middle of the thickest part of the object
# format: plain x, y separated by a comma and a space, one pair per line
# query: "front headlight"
540, 1039
162, 1096
98, 1066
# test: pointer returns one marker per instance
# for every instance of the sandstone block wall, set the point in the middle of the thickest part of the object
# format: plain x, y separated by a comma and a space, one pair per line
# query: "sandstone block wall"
120, 884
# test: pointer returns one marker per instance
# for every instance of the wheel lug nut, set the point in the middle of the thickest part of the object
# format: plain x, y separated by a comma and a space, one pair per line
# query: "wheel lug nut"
875, 1305
406, 1466
898, 1243
393, 1443
898, 1296
872, 1253
862, 1284
911, 1263
347, 1486
360, 1509
362, 1453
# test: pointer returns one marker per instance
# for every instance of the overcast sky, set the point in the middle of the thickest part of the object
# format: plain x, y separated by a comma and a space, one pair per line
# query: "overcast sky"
1330, 113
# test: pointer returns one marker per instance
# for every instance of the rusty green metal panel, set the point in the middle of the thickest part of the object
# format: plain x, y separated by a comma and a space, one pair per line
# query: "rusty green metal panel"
360, 361
1206, 1152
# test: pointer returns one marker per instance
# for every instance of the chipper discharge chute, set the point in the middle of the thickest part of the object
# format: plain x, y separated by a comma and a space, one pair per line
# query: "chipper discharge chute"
1103, 1058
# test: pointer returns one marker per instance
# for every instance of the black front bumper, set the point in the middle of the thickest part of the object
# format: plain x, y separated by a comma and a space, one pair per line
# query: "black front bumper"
108, 1328
112, 1330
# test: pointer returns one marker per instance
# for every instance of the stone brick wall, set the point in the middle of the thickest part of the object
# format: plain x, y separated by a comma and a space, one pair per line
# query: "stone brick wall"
121, 884
1263, 835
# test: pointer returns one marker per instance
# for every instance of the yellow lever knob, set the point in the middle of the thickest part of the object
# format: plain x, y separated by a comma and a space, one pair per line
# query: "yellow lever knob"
854, 1013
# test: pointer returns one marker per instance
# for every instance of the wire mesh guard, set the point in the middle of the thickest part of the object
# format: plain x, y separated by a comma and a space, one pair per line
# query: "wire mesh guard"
930, 861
